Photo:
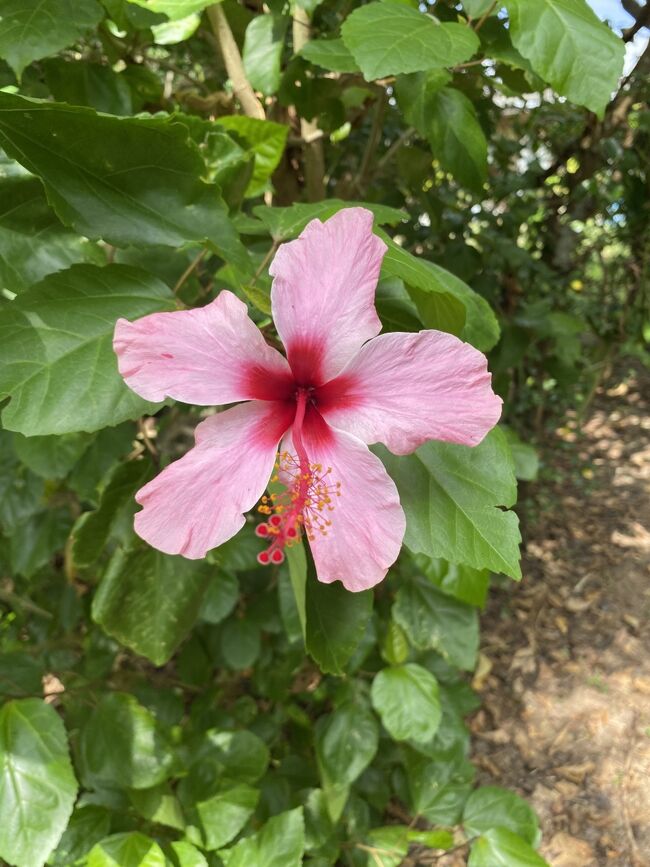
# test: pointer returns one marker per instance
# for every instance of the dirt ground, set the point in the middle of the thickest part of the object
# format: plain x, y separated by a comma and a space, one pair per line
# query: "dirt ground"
565, 672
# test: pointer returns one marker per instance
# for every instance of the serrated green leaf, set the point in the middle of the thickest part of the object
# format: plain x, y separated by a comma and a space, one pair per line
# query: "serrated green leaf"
331, 54
32, 29
407, 700
88, 825
149, 600
37, 784
460, 581
56, 357
499, 847
217, 819
122, 745
392, 38
188, 855
452, 497
525, 457
560, 38
346, 743
433, 620
51, 457
430, 281
126, 180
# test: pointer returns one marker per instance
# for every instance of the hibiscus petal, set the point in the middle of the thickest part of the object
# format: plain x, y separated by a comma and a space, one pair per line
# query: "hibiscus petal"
210, 355
405, 389
367, 520
323, 293
198, 502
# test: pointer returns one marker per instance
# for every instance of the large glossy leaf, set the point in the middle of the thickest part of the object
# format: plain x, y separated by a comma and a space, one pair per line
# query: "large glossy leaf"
406, 698
37, 784
56, 358
433, 620
32, 29
149, 600
122, 745
499, 847
280, 843
452, 496
392, 38
33, 242
561, 38
443, 300
126, 180
218, 818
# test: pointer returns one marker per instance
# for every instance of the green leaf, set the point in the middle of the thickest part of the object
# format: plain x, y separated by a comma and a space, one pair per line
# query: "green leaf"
240, 643
297, 565
346, 743
434, 620
32, 29
336, 621
96, 85
21, 492
479, 325
499, 847
33, 242
56, 357
492, 807
266, 139
392, 38
263, 52
37, 784
280, 843
560, 38
451, 495
126, 180
20, 674
456, 137
407, 700
218, 818
225, 759
149, 600
127, 850
122, 745
439, 786
476, 8
51, 457
462, 582
174, 9
525, 456
88, 825
187, 855
92, 529
330, 54
286, 223
416, 93
158, 804
35, 541
389, 845
220, 597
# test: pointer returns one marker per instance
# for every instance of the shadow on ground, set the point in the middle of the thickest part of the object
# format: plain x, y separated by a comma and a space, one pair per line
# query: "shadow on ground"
566, 661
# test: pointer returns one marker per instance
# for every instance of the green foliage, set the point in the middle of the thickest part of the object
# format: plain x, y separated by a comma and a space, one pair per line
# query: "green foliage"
215, 712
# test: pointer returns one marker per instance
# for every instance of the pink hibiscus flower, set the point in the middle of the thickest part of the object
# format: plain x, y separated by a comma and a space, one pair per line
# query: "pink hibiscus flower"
336, 392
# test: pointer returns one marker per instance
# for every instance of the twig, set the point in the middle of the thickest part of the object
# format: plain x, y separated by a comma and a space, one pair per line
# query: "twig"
371, 145
402, 138
234, 64
190, 268
16, 601
270, 254
485, 16
314, 160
